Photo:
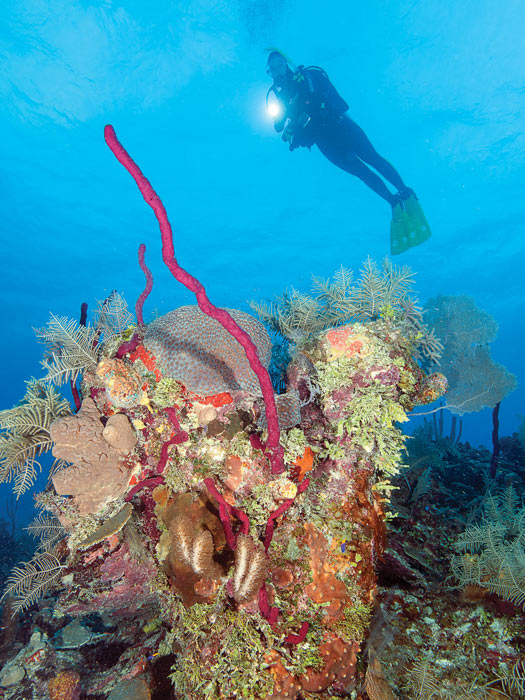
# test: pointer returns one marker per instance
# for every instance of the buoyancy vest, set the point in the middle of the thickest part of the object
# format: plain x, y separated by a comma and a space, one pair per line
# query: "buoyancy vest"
320, 90
310, 103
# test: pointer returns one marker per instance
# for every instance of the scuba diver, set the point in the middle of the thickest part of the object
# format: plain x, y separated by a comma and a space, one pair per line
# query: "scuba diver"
308, 110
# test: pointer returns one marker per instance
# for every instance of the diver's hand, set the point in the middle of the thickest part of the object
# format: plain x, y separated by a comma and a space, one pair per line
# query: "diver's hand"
303, 120
278, 125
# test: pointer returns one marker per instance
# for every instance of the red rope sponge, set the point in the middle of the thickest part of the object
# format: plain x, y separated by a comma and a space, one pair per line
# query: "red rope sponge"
220, 315
147, 289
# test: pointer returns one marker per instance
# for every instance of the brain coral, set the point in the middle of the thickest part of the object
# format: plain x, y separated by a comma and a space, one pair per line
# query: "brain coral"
197, 351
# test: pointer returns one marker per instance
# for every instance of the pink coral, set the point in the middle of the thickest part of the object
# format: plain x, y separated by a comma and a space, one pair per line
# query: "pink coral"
345, 341
337, 337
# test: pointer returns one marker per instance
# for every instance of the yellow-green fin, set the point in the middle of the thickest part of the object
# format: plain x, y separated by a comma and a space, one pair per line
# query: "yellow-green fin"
409, 226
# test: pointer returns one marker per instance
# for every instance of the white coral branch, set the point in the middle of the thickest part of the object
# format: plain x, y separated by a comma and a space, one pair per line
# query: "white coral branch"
194, 549
250, 568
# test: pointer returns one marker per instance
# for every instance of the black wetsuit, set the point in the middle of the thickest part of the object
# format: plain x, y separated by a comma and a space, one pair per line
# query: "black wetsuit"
314, 112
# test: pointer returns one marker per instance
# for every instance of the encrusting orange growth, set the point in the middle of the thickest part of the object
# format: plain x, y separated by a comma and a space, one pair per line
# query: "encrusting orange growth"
161, 495
282, 578
147, 358
325, 586
217, 400
340, 662
64, 686
338, 338
234, 469
303, 464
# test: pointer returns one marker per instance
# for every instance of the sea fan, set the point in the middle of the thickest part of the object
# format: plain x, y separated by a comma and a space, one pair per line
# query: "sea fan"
475, 380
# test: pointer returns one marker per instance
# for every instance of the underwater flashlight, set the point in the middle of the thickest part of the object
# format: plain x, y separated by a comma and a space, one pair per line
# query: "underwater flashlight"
274, 110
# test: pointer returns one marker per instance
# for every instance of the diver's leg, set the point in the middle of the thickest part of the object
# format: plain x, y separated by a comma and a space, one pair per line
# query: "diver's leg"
350, 163
363, 149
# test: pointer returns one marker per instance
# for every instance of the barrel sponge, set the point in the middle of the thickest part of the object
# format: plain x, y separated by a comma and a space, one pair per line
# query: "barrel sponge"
197, 351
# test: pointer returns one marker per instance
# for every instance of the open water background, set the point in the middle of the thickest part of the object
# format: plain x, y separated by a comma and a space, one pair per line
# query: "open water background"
438, 87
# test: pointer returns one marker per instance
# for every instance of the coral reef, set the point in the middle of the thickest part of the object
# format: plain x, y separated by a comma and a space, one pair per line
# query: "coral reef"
210, 533
214, 540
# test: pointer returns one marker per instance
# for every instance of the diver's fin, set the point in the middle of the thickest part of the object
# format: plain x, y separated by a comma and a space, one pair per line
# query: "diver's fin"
409, 226
419, 228
399, 233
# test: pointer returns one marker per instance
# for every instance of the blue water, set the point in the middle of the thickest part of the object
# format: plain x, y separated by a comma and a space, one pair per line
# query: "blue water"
438, 88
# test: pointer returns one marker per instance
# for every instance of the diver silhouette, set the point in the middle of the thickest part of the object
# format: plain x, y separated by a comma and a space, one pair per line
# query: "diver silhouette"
309, 111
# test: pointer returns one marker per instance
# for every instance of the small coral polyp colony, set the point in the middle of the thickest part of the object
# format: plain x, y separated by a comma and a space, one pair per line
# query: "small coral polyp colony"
262, 583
